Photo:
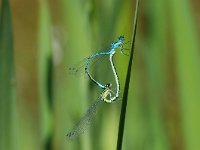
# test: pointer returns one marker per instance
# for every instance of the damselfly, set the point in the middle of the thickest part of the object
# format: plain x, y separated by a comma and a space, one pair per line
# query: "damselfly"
86, 62
106, 95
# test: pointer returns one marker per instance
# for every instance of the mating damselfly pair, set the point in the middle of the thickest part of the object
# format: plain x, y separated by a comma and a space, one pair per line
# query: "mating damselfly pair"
107, 95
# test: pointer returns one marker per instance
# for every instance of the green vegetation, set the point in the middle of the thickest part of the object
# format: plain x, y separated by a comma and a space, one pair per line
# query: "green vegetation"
40, 101
8, 117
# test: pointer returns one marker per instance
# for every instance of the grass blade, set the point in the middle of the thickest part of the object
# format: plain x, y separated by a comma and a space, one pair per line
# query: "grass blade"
126, 88
44, 70
187, 69
7, 80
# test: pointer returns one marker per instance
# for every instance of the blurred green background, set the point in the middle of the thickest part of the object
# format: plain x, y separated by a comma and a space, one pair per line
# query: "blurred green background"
40, 101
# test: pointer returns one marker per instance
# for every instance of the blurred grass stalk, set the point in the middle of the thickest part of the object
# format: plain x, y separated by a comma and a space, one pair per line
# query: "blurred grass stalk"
44, 72
156, 64
8, 123
188, 70
70, 93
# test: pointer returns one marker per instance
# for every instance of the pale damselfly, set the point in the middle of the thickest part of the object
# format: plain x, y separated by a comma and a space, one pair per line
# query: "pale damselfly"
85, 122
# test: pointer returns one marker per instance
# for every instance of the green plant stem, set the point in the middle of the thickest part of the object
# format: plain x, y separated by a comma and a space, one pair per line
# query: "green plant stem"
8, 124
126, 88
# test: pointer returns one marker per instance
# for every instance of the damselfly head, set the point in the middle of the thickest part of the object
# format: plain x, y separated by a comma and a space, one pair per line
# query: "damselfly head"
121, 38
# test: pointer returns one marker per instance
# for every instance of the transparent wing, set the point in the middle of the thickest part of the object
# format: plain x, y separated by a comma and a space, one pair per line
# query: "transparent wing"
85, 122
78, 69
